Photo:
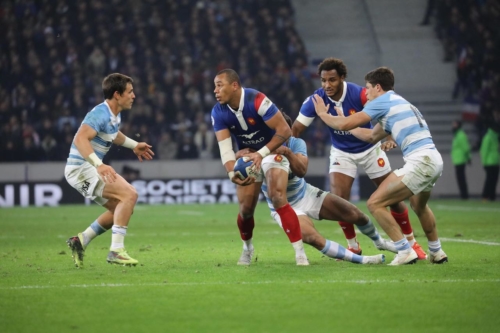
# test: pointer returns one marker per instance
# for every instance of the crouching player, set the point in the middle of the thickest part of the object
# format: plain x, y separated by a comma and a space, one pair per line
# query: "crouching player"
97, 181
310, 202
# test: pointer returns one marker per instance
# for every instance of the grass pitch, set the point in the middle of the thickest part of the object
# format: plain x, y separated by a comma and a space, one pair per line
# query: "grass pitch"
188, 280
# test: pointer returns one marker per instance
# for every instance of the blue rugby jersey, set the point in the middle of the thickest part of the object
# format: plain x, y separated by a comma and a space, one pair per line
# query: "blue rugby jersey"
247, 124
106, 124
296, 187
352, 101
402, 120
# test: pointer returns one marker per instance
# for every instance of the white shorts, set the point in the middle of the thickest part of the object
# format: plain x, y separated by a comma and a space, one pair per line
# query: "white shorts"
421, 170
87, 181
309, 205
374, 161
273, 161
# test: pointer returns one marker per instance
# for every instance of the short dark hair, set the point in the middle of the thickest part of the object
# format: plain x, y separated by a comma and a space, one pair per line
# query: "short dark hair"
287, 118
383, 76
330, 64
231, 75
115, 82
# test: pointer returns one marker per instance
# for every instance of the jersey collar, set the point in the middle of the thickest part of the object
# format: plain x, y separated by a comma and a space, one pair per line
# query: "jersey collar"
242, 102
114, 119
341, 100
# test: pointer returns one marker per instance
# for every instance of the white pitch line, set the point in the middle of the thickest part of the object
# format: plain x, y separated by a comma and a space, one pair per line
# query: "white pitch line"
467, 209
119, 285
469, 241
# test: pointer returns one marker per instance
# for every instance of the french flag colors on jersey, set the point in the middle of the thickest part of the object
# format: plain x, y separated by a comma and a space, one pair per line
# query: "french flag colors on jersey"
106, 124
352, 101
247, 124
296, 187
402, 120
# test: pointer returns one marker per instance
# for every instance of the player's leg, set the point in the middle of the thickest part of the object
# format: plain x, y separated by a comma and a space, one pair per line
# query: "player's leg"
121, 199
276, 173
248, 197
342, 173
391, 191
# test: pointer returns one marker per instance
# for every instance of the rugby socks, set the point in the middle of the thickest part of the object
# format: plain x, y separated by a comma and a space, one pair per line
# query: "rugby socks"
337, 251
290, 223
350, 234
118, 237
411, 239
94, 230
246, 231
403, 221
434, 246
370, 231
402, 245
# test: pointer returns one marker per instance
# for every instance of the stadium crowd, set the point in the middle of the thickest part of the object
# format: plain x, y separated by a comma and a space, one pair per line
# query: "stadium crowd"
469, 32
57, 53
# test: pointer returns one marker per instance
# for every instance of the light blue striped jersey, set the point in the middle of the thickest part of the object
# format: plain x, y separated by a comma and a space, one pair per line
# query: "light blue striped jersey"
402, 120
296, 186
106, 124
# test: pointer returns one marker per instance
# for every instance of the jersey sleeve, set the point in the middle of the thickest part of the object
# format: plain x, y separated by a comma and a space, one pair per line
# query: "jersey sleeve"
298, 146
375, 109
217, 122
97, 120
362, 96
264, 107
307, 112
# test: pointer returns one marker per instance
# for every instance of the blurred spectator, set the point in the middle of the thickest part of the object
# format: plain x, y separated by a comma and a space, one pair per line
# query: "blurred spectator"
167, 148
186, 148
204, 140
460, 156
490, 158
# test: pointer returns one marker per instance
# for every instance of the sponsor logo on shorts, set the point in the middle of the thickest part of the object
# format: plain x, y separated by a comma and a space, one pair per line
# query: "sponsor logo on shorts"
85, 187
278, 158
251, 121
352, 111
381, 162
320, 192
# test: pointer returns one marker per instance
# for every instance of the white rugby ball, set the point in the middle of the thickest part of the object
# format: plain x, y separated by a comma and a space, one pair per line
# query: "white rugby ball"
243, 169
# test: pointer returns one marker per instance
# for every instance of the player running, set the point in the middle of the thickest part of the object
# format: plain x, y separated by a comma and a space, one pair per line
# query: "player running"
98, 181
423, 163
347, 151
254, 122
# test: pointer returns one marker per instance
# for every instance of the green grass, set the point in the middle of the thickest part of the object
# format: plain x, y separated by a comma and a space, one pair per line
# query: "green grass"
188, 280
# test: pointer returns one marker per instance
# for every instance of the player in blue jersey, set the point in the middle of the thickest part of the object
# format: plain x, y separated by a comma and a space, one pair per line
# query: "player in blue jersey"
309, 202
423, 163
254, 122
98, 181
347, 151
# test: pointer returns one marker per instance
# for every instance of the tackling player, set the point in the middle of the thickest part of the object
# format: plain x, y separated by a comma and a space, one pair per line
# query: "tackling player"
97, 181
347, 151
423, 163
254, 122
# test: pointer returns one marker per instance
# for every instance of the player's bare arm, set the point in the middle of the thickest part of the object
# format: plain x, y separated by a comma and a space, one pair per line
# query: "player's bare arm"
298, 128
283, 133
298, 162
389, 144
82, 142
229, 158
335, 122
141, 149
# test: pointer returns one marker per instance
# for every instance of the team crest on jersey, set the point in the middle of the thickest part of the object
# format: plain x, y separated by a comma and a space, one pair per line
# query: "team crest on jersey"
251, 121
352, 111
381, 162
278, 158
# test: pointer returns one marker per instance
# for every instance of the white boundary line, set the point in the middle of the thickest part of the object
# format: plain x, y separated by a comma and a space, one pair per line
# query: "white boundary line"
467, 209
166, 284
468, 241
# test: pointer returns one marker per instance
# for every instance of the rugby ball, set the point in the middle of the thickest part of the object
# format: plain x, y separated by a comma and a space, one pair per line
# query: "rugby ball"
243, 169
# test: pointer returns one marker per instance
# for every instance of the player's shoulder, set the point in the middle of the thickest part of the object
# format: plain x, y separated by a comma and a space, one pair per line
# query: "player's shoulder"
297, 144
354, 89
100, 111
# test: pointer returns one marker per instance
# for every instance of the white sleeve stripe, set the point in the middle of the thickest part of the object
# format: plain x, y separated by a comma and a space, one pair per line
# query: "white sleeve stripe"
264, 106
306, 121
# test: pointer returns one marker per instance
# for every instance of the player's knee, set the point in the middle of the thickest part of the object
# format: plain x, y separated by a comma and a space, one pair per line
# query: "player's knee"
311, 239
418, 210
371, 204
131, 195
278, 199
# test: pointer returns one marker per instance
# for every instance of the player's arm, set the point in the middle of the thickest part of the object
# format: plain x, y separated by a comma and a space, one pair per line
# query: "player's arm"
82, 142
141, 149
339, 123
389, 143
298, 162
228, 157
370, 135
298, 128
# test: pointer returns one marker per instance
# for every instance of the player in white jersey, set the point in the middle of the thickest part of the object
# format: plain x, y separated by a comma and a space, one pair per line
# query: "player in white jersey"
423, 163
100, 182
309, 202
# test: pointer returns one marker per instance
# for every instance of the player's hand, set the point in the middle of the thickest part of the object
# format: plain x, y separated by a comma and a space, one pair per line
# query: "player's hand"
388, 145
320, 106
256, 159
243, 152
143, 151
107, 173
340, 112
282, 150
243, 182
